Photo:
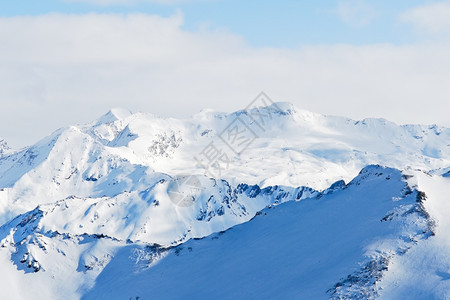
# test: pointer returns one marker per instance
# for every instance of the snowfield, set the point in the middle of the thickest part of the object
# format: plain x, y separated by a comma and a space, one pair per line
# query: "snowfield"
300, 206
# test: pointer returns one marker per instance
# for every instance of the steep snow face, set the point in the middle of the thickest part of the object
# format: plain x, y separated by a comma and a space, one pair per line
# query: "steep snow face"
284, 146
424, 271
338, 245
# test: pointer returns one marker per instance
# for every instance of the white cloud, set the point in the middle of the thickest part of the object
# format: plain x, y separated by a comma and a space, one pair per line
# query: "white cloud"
58, 70
356, 12
432, 18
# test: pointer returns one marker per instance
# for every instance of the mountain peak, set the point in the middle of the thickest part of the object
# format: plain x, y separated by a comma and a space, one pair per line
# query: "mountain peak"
114, 114
279, 108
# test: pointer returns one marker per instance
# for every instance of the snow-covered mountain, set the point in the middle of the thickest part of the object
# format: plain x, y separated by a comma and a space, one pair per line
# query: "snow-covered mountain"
286, 203
125, 152
335, 245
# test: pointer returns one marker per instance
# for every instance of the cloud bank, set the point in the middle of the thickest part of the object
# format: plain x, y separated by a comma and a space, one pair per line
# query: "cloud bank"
62, 69
432, 18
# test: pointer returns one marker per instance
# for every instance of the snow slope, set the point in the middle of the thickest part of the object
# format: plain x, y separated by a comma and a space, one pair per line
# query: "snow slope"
125, 152
97, 206
76, 238
424, 271
150, 216
337, 245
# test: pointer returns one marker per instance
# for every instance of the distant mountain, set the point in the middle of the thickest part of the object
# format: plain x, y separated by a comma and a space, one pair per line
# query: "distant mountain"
273, 194
125, 152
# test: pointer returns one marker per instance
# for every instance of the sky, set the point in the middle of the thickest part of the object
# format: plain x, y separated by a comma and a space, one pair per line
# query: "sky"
65, 62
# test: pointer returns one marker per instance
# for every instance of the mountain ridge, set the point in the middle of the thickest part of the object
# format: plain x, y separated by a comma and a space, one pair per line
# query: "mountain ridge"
74, 203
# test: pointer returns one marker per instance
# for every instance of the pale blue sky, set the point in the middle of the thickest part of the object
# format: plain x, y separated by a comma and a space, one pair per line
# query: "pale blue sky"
287, 23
